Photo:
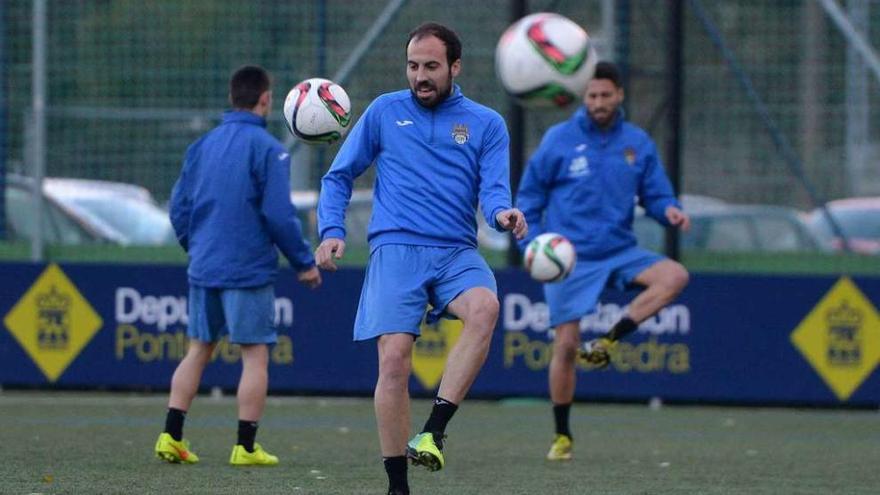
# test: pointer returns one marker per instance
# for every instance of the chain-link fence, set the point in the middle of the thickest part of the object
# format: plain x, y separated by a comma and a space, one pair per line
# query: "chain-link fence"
130, 84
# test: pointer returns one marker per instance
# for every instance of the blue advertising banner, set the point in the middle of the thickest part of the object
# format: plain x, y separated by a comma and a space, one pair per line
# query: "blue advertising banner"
748, 339
727, 338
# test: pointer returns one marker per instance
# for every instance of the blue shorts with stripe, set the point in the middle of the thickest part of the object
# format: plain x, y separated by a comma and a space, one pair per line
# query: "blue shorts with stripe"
577, 295
402, 280
247, 315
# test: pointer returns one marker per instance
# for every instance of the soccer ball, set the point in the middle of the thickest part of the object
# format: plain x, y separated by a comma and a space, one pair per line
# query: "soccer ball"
549, 257
545, 59
317, 111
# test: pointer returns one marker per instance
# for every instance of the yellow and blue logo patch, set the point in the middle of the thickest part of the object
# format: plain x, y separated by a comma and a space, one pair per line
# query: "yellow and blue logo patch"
53, 322
840, 338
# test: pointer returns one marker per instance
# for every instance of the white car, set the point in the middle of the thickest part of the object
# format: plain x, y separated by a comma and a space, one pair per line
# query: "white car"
859, 218
78, 211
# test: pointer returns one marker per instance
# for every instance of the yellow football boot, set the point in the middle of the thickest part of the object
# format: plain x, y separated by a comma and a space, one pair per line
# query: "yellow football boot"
596, 352
422, 450
259, 457
170, 450
560, 450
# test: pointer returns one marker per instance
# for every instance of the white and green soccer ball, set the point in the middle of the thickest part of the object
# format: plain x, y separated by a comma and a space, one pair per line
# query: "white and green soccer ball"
545, 59
317, 111
549, 257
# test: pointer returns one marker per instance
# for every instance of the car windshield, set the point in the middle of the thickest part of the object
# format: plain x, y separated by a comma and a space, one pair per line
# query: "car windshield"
137, 221
863, 224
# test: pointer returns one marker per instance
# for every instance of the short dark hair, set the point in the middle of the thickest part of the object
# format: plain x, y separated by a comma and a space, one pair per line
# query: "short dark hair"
247, 84
443, 33
607, 70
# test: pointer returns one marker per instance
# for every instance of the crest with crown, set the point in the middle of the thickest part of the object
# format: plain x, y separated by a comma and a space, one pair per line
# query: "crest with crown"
460, 133
844, 341
53, 328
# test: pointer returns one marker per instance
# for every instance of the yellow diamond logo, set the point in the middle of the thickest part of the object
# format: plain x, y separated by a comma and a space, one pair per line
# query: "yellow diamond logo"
841, 338
431, 349
52, 322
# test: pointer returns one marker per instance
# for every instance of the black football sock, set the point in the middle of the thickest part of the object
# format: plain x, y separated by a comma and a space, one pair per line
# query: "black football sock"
560, 415
441, 413
395, 467
622, 328
247, 432
174, 423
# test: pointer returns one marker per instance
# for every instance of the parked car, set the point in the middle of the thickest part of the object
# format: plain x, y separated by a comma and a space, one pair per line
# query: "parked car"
736, 228
78, 211
859, 218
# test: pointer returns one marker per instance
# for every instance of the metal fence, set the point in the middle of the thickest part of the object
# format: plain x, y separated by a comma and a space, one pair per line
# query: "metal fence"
130, 84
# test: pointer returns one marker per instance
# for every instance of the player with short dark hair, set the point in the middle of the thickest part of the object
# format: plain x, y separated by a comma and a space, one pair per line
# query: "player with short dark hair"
231, 212
437, 155
582, 182
608, 72
447, 36
247, 85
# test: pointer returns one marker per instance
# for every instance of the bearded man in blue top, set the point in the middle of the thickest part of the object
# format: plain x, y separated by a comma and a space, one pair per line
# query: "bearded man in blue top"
582, 182
437, 155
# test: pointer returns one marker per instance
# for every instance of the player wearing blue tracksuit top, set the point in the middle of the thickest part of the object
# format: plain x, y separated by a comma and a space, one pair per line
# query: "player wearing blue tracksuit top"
583, 182
433, 166
438, 155
230, 208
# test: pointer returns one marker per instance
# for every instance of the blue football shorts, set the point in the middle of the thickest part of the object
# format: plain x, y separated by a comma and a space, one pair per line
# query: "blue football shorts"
247, 315
402, 280
577, 295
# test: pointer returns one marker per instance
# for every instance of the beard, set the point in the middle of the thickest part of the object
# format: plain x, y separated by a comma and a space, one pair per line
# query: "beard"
432, 100
603, 116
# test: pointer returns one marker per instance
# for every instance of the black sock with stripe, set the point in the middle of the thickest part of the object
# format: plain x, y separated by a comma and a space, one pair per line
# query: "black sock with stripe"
441, 413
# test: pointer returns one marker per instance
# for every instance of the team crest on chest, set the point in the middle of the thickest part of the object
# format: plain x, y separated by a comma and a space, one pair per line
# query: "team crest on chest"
629, 155
460, 133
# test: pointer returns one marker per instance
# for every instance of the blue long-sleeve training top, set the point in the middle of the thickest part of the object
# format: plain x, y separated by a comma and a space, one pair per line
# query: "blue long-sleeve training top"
433, 166
583, 182
231, 206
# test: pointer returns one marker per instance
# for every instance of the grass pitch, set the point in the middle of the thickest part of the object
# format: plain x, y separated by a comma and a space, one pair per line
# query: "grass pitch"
102, 443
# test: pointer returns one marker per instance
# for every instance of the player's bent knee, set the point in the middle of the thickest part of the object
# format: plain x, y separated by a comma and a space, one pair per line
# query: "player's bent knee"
678, 277
483, 310
671, 278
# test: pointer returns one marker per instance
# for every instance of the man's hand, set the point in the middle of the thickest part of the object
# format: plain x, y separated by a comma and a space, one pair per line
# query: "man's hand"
678, 218
328, 251
514, 221
311, 278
